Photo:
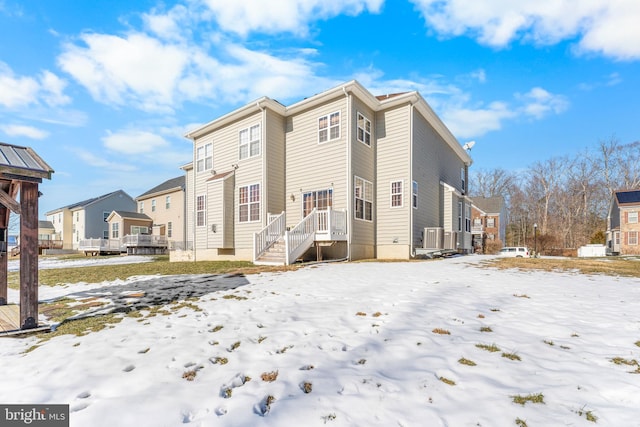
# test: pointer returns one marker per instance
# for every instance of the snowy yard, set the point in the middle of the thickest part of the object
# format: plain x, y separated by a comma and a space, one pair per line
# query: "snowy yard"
436, 343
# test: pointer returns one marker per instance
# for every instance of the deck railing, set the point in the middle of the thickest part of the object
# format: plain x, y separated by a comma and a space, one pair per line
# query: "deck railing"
298, 239
103, 245
266, 237
145, 240
331, 224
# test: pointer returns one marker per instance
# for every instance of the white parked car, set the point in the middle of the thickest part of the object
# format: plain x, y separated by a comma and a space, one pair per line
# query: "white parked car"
515, 252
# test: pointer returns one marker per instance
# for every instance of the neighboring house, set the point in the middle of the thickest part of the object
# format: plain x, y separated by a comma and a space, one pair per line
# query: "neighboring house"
623, 227
47, 237
87, 219
165, 205
340, 175
489, 221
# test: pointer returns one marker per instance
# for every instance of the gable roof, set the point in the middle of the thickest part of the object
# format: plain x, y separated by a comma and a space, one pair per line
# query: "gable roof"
177, 183
492, 204
87, 202
22, 162
130, 215
628, 197
45, 224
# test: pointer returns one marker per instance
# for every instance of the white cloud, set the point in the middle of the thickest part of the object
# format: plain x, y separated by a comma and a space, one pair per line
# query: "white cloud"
21, 91
607, 27
538, 103
101, 163
293, 16
117, 70
468, 122
134, 142
25, 131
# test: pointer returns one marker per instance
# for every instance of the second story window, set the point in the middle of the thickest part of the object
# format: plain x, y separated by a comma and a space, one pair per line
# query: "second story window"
491, 222
364, 130
141, 207
115, 230
632, 217
363, 195
204, 158
167, 202
249, 142
153, 205
329, 127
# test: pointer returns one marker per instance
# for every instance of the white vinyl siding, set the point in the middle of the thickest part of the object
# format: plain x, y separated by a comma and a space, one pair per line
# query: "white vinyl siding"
396, 194
249, 142
249, 203
364, 129
204, 158
363, 195
329, 127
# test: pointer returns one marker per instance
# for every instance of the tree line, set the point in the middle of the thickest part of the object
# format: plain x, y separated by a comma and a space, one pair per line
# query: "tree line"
567, 197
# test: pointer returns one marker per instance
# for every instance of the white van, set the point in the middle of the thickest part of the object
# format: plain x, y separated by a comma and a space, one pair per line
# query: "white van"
515, 252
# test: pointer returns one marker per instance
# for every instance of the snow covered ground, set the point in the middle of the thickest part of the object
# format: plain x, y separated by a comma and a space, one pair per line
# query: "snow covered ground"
349, 344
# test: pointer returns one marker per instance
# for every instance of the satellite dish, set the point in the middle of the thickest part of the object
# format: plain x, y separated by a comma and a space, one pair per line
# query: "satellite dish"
469, 145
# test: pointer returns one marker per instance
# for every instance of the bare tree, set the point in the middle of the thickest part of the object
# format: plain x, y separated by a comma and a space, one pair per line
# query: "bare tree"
489, 183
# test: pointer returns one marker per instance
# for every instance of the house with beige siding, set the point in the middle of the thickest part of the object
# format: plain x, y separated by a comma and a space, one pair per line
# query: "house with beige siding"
87, 219
339, 175
165, 205
623, 223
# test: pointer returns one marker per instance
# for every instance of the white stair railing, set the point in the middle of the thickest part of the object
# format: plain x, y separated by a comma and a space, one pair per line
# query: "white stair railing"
266, 237
299, 239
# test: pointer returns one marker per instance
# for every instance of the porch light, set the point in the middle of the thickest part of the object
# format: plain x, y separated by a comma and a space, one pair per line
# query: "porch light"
293, 197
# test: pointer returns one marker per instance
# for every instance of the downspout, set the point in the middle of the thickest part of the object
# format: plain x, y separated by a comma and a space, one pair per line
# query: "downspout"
263, 153
349, 195
412, 251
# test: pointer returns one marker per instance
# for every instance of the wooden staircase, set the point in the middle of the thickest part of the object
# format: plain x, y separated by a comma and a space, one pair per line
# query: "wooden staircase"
274, 255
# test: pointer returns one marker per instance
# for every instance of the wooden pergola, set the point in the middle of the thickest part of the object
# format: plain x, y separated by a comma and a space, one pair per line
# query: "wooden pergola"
21, 170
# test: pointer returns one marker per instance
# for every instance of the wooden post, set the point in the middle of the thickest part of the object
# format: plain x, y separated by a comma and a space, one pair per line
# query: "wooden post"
29, 255
4, 213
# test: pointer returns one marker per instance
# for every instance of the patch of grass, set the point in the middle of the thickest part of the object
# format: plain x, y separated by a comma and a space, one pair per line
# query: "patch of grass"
447, 381
236, 297
377, 314
284, 349
441, 331
480, 316
492, 348
361, 361
219, 360
261, 338
486, 329
80, 327
637, 343
464, 361
306, 387
622, 361
548, 342
360, 313
511, 356
589, 415
521, 296
612, 266
159, 265
190, 375
495, 309
530, 398
64, 308
329, 417
521, 423
269, 376
265, 407
216, 328
234, 346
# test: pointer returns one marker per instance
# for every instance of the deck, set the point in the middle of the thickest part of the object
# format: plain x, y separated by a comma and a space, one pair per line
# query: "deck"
10, 321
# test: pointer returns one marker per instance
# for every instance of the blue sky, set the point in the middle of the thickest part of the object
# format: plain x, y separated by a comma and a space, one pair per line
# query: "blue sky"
105, 91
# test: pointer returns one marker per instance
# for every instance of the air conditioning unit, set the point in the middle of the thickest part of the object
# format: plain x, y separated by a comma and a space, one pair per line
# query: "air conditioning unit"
432, 238
451, 240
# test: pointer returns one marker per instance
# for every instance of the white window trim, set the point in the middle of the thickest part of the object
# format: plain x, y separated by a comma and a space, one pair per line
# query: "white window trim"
635, 221
205, 167
115, 230
414, 194
328, 128
364, 130
629, 233
203, 210
363, 198
460, 207
167, 202
249, 142
141, 208
249, 203
153, 205
401, 193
